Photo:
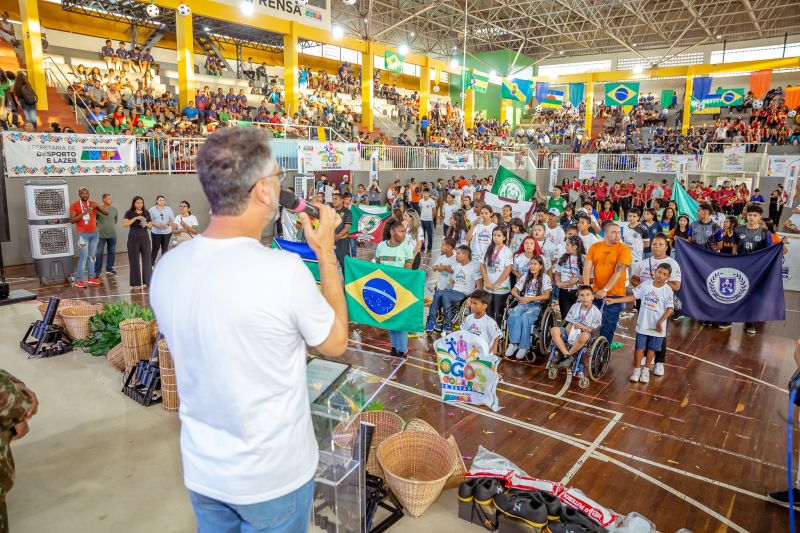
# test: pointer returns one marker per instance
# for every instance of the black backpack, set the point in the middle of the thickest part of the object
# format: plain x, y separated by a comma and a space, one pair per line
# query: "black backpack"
29, 95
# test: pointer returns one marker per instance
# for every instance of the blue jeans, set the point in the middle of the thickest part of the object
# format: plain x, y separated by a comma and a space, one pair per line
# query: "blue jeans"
427, 229
29, 110
102, 243
610, 319
287, 514
353, 248
87, 247
444, 299
398, 341
520, 323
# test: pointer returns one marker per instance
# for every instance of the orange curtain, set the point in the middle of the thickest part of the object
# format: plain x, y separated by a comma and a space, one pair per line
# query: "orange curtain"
759, 83
792, 97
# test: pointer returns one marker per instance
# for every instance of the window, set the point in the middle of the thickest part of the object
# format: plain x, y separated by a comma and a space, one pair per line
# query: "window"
411, 70
331, 52
575, 68
315, 50
379, 62
350, 56
753, 54
688, 58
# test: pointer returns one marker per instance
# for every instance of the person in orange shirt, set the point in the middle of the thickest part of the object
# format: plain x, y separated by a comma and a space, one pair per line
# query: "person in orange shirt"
415, 189
605, 269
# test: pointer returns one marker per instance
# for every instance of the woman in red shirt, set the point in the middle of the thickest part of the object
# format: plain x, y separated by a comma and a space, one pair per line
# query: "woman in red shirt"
601, 192
616, 192
607, 212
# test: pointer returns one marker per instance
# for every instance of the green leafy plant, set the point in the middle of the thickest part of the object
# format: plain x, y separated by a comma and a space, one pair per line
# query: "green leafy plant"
105, 326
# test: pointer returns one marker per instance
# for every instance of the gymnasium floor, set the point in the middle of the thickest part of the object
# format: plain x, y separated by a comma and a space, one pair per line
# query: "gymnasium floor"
698, 448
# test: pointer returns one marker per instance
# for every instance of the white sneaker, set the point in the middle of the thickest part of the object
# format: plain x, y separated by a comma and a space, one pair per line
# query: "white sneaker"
520, 355
645, 378
643, 361
659, 369
511, 349
637, 372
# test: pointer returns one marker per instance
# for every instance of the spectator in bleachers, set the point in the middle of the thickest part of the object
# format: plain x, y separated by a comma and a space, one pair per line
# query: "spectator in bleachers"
136, 103
7, 30
213, 65
149, 62
261, 72
97, 95
137, 60
45, 43
123, 56
113, 98
108, 55
95, 75
95, 117
191, 112
248, 69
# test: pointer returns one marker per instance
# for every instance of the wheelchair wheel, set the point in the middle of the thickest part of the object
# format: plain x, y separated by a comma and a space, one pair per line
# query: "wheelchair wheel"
546, 321
552, 372
599, 354
461, 314
583, 381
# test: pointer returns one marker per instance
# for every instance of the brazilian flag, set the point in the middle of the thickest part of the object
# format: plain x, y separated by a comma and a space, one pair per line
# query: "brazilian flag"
393, 61
384, 296
622, 94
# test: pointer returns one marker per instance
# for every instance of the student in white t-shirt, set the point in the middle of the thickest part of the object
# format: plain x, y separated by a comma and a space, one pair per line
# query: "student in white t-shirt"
588, 238
479, 235
468, 190
184, 226
569, 272
576, 328
444, 264
651, 325
516, 234
450, 206
479, 323
532, 292
548, 248
636, 237
427, 212
495, 271
463, 279
553, 232
522, 260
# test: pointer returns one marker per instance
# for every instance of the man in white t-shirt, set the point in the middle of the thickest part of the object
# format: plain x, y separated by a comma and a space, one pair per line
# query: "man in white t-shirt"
427, 210
463, 278
239, 342
553, 232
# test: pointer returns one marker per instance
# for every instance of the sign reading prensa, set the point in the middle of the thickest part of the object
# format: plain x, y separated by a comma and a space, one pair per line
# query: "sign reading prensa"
315, 13
68, 154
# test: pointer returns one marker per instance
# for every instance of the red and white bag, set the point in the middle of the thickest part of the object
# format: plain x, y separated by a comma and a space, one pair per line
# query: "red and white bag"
532, 483
595, 511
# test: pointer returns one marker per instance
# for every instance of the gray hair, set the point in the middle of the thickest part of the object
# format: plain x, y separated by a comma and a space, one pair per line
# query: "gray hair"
229, 163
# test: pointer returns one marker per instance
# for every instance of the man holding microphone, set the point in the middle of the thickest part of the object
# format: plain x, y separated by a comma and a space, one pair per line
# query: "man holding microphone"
238, 329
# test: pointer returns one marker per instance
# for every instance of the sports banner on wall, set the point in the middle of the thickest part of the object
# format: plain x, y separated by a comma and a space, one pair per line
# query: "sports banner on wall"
317, 155
467, 370
777, 165
621, 94
588, 170
790, 270
68, 154
315, 13
733, 158
456, 159
666, 163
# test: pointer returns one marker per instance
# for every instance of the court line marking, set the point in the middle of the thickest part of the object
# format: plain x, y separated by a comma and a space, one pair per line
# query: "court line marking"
591, 449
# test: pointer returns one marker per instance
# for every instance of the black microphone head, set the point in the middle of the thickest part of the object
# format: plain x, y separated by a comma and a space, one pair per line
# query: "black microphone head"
288, 200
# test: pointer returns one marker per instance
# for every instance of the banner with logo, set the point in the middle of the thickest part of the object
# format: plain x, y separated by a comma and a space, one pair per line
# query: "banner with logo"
791, 184
315, 13
519, 208
319, 155
368, 222
553, 173
509, 185
68, 154
733, 158
373, 166
777, 165
666, 163
790, 270
731, 288
456, 159
588, 170
393, 61
467, 370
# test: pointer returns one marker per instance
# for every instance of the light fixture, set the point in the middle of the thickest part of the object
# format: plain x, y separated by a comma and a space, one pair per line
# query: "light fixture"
206, 29
366, 19
246, 8
492, 74
413, 34
638, 69
337, 32
719, 37
402, 49
634, 45
561, 52
453, 62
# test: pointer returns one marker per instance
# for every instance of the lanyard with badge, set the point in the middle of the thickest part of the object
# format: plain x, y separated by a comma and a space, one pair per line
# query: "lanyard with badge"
87, 216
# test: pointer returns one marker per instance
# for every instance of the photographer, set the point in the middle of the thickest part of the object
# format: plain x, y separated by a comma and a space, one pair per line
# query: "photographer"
238, 329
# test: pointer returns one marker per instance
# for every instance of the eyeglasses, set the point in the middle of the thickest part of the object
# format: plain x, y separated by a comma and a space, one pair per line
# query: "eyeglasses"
280, 175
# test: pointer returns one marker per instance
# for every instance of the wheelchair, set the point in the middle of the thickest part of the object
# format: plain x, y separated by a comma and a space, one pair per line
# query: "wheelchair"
541, 340
597, 351
460, 310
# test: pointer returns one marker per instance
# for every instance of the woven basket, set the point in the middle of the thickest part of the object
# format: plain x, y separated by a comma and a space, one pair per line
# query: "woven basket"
417, 424
460, 470
137, 341
76, 319
116, 356
386, 424
169, 387
416, 466
63, 304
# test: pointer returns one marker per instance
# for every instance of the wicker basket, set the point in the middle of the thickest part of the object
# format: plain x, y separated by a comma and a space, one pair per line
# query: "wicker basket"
137, 341
416, 466
417, 424
116, 356
63, 304
169, 387
76, 319
386, 424
460, 470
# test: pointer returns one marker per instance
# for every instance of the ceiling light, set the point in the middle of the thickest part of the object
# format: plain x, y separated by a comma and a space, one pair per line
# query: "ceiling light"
719, 37
337, 32
366, 19
413, 34
561, 53
634, 45
638, 69
403, 49
492, 74
206, 29
246, 8
453, 62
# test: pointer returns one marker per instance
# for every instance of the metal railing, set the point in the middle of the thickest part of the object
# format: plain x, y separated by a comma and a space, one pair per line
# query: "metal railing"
56, 78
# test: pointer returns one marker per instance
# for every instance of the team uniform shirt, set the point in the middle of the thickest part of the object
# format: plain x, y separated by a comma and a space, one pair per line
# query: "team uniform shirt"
393, 255
568, 270
500, 260
645, 269
705, 235
465, 277
444, 276
426, 209
484, 327
655, 302
750, 240
634, 237
590, 318
533, 288
555, 235
588, 240
481, 239
557, 203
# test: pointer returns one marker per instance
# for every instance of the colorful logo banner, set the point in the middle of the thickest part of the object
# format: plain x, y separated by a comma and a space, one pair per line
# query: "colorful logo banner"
319, 155
394, 62
467, 370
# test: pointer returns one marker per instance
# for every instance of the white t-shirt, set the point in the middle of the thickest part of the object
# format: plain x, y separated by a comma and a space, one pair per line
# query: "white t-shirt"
472, 216
533, 289
468, 190
588, 240
481, 239
500, 261
448, 211
190, 221
240, 360
457, 195
484, 327
444, 276
411, 242
327, 190
549, 253
465, 277
655, 301
646, 268
516, 240
634, 238
426, 209
568, 270
591, 319
554, 235
522, 264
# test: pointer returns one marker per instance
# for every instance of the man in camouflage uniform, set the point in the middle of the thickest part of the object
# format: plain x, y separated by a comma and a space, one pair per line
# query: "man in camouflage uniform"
17, 405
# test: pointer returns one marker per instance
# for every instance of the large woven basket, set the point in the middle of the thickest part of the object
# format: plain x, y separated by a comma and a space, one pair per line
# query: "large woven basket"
137, 341
169, 387
386, 424
76, 319
416, 466
63, 304
417, 424
116, 356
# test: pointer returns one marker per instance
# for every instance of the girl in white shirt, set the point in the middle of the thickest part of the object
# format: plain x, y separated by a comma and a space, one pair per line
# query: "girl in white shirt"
517, 234
480, 234
569, 273
457, 228
548, 248
532, 291
495, 271
414, 235
522, 259
184, 226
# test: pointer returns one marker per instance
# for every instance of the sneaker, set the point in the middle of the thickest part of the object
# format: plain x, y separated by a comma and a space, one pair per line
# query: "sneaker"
750, 328
487, 489
566, 362
111, 271
428, 327
676, 317
520, 355
637, 373
643, 361
511, 350
645, 377
783, 497
526, 507
393, 352
659, 369
724, 325
79, 284
706, 323
94, 281
467, 488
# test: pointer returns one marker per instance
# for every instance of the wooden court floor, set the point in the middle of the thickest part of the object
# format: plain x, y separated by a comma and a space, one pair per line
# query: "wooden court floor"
698, 448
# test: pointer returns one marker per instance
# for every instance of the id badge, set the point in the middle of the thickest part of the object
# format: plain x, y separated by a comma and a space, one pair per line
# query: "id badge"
86, 218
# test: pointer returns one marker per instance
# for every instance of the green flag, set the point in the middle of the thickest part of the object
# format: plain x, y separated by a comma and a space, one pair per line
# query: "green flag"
509, 185
666, 97
622, 94
686, 204
477, 81
394, 61
384, 296
368, 221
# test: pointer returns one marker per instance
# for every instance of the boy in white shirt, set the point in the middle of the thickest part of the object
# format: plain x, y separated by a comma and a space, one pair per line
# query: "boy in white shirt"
588, 238
479, 323
445, 263
651, 329
427, 210
636, 237
553, 232
581, 320
463, 277
449, 208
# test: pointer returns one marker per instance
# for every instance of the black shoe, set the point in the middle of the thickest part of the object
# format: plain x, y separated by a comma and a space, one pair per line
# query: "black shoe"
706, 323
111, 271
578, 519
550, 501
750, 328
783, 497
487, 489
393, 352
467, 488
526, 507
676, 317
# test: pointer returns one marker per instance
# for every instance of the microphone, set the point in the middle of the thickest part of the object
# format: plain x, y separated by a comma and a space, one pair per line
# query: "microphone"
289, 201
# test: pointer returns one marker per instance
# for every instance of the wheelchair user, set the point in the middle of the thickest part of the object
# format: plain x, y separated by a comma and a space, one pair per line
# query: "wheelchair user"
464, 276
531, 291
582, 318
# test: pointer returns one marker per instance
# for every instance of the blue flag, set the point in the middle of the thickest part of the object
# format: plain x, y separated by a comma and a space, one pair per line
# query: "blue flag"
730, 288
701, 87
303, 250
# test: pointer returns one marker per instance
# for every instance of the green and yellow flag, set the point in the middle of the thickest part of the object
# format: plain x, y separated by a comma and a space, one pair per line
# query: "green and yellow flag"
622, 94
384, 296
477, 81
394, 61
511, 91
509, 185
